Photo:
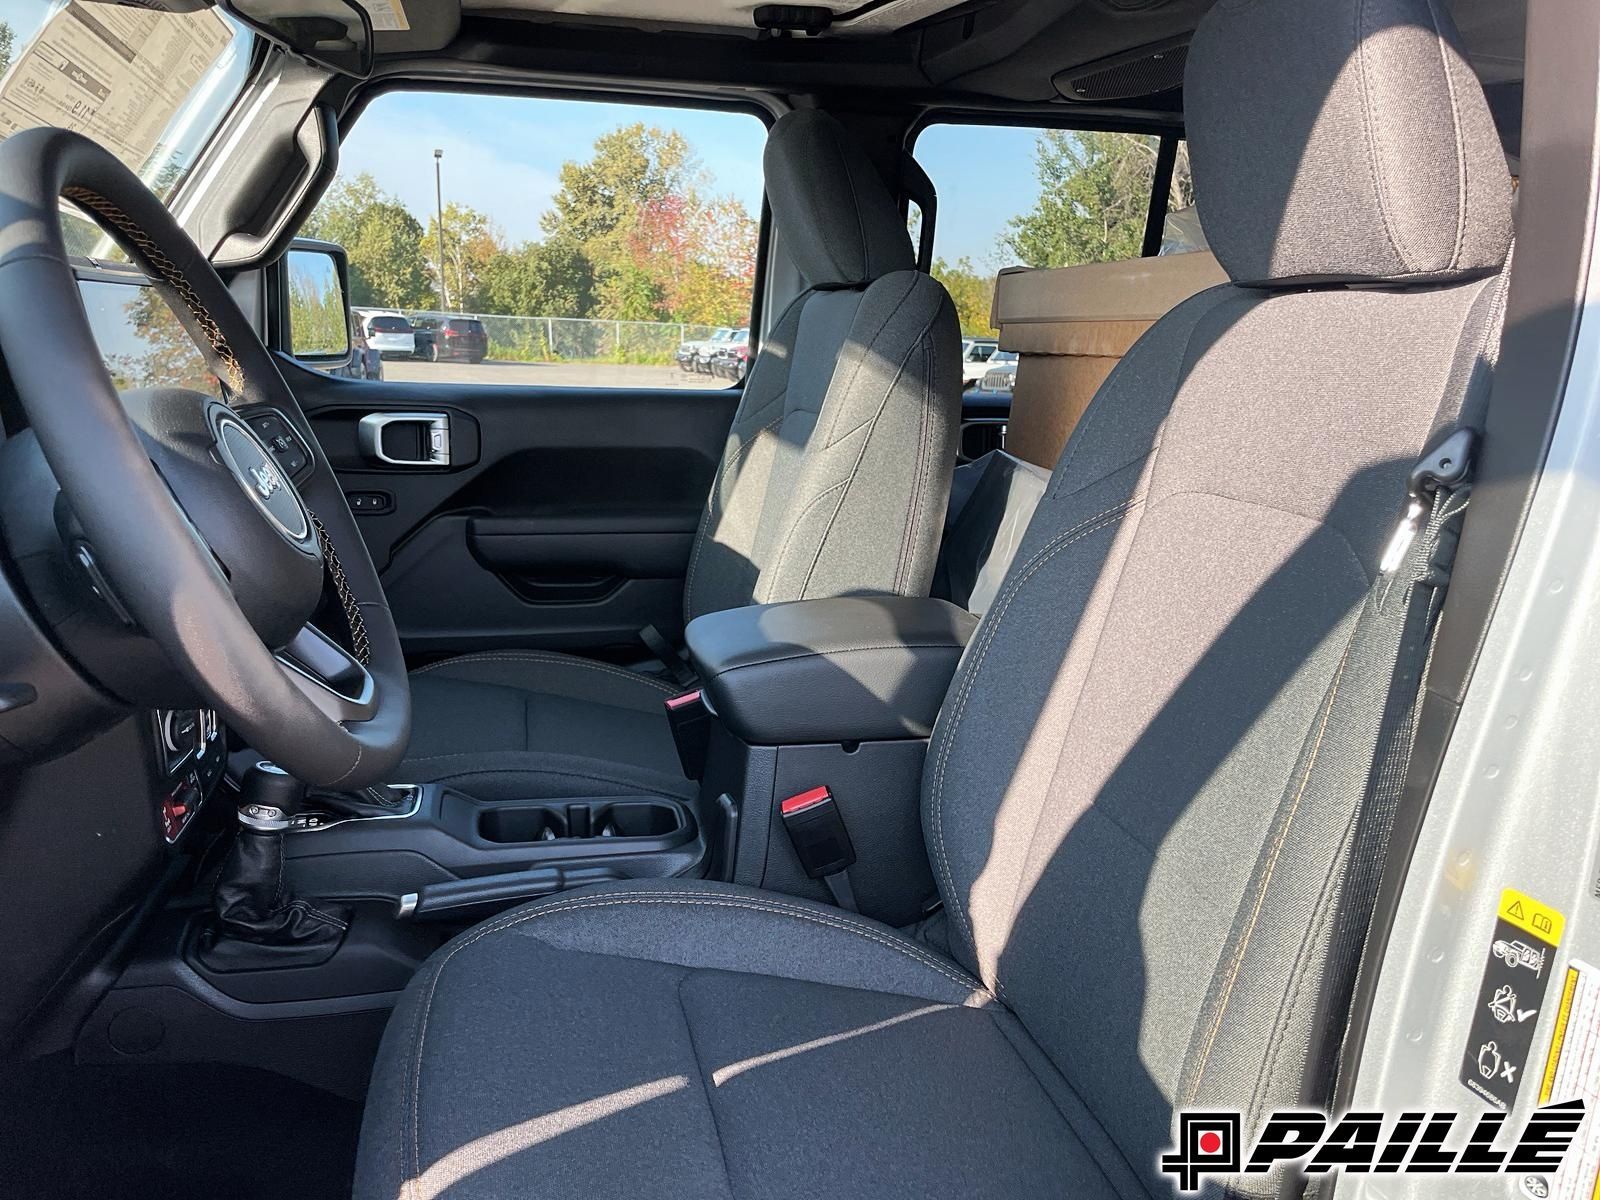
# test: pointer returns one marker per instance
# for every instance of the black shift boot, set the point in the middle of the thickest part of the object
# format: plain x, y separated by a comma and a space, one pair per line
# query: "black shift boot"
258, 922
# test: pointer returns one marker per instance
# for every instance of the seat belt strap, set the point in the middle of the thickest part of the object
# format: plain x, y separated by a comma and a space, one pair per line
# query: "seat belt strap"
1393, 634
669, 656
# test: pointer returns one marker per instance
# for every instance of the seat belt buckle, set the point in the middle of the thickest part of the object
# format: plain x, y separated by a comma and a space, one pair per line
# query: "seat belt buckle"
821, 841
690, 720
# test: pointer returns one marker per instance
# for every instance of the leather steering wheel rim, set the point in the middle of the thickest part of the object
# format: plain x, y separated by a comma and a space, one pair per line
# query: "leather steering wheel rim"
156, 560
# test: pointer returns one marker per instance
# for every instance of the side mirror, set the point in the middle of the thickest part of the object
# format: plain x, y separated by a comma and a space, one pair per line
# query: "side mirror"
315, 303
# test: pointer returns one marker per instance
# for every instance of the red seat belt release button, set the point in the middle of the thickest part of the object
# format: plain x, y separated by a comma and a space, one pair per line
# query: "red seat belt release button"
816, 828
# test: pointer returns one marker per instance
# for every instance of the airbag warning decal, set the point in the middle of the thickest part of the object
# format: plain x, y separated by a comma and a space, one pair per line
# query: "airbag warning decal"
1572, 1072
1515, 977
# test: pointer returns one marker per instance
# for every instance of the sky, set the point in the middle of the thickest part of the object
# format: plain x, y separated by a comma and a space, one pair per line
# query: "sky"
503, 155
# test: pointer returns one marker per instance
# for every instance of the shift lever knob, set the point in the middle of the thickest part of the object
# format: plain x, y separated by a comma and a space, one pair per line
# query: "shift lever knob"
268, 797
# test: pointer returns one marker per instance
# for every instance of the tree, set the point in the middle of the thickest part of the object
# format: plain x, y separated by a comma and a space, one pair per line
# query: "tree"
8, 39
471, 243
549, 278
382, 240
1093, 201
971, 292
630, 167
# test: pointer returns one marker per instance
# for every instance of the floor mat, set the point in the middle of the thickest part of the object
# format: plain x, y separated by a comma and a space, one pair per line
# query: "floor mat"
156, 1132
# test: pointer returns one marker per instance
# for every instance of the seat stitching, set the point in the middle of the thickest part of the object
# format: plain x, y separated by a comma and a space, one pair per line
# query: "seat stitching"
909, 950
554, 660
610, 900
913, 525
1010, 1037
1371, 132
1056, 544
711, 509
870, 425
794, 528
1463, 176
700, 1070
1313, 936
1273, 852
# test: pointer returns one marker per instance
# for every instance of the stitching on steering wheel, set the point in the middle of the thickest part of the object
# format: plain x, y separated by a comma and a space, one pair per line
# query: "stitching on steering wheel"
156, 259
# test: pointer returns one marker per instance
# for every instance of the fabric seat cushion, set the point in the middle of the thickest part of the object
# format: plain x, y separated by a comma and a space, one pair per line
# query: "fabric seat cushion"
706, 1040
525, 724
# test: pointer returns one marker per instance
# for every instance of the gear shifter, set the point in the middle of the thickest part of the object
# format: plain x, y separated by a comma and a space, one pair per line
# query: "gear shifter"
257, 922
379, 800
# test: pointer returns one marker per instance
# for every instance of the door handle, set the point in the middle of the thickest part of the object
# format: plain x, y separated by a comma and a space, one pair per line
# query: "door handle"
428, 438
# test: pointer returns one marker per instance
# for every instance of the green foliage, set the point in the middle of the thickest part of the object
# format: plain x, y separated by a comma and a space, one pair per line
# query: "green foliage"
552, 277
383, 241
631, 235
971, 291
1093, 201
8, 40
630, 167
316, 312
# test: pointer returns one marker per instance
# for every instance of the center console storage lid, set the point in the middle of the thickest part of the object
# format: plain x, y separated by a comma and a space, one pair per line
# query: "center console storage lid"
845, 668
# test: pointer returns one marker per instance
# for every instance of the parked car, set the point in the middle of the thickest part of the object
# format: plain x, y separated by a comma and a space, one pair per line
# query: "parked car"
732, 359
453, 339
389, 333
689, 354
976, 354
1001, 375
719, 341
364, 362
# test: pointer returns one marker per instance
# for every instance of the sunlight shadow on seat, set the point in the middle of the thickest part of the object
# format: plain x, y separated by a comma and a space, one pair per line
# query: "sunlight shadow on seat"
486, 1151
723, 1075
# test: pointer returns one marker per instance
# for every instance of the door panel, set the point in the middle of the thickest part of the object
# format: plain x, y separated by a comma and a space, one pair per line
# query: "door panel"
563, 520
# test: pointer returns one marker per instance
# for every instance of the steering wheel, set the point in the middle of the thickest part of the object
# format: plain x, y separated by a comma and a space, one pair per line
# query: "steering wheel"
215, 554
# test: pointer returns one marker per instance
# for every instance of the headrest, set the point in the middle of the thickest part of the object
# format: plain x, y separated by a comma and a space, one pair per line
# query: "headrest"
839, 222
1343, 141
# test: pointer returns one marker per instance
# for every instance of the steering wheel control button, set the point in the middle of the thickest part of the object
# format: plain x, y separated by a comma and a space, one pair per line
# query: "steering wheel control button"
274, 430
262, 479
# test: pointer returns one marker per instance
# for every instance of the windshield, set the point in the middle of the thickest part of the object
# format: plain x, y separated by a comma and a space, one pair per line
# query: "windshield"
149, 86
389, 325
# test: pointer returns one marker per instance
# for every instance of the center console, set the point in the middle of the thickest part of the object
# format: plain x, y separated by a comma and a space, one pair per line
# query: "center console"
807, 735
452, 857
837, 695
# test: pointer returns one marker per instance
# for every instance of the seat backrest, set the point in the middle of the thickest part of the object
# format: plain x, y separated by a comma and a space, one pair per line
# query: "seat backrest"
837, 468
1114, 799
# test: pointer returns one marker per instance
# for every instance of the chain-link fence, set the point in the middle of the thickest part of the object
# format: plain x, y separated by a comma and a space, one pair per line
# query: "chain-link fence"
578, 339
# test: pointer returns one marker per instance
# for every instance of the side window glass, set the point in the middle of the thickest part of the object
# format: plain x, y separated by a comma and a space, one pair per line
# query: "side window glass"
1034, 197
531, 241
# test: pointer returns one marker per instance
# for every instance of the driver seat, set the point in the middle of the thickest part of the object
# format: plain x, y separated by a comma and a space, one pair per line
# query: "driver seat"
1139, 887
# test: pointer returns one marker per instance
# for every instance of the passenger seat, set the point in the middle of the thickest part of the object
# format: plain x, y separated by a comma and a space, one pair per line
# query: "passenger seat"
834, 480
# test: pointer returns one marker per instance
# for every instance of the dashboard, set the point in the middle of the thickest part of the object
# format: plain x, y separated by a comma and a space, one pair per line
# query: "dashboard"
192, 755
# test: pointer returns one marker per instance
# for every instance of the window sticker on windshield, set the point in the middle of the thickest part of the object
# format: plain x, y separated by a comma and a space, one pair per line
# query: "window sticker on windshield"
1515, 977
1572, 1072
387, 15
118, 75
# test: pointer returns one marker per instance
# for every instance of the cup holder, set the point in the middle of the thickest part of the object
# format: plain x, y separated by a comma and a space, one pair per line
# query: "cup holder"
509, 824
588, 821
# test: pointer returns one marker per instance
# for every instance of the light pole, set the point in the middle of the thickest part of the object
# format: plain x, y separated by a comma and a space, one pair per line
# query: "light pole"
438, 201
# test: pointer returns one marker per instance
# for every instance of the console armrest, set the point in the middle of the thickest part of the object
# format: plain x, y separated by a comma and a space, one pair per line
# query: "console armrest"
846, 668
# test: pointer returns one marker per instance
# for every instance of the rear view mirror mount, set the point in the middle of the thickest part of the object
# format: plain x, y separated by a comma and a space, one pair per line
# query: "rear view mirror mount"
336, 34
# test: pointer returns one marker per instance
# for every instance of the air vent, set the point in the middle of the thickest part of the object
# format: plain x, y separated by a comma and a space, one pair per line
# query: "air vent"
1141, 72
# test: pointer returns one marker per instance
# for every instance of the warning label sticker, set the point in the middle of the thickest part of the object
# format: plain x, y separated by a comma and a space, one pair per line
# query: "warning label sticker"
1515, 978
1572, 1072
118, 75
387, 15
